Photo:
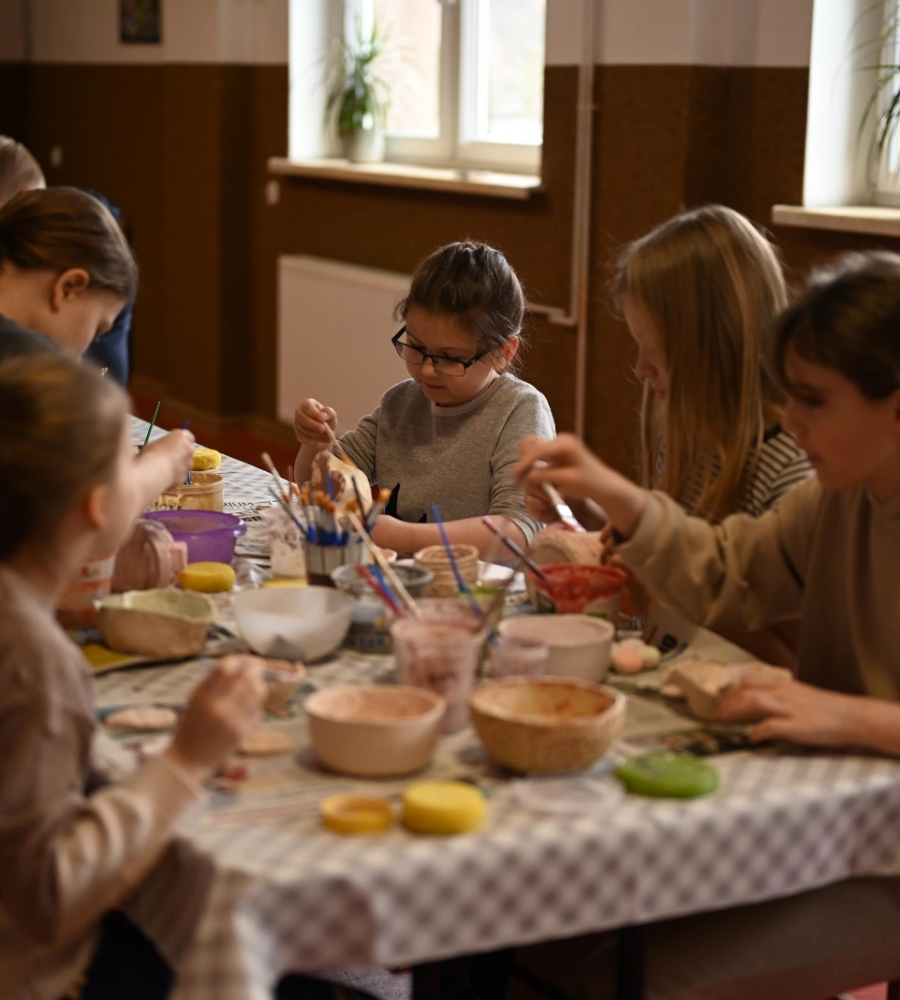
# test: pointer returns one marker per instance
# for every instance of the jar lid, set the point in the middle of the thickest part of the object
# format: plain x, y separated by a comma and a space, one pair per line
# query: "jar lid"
357, 814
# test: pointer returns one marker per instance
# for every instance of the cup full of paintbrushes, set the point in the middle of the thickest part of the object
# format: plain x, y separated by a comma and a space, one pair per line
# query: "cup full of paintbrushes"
329, 542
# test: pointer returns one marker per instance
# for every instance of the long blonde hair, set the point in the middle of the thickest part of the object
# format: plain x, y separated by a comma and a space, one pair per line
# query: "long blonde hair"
712, 285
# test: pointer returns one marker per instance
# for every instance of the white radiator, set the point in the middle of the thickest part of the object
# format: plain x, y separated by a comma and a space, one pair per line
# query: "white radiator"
335, 323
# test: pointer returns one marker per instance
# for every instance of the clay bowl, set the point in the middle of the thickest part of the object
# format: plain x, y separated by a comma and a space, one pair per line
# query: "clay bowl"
579, 645
374, 731
170, 624
546, 725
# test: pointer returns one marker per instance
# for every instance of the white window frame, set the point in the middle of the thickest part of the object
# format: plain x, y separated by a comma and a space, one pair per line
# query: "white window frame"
454, 147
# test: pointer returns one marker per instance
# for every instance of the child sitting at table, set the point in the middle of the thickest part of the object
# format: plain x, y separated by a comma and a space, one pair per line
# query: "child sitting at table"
20, 171
699, 295
449, 434
66, 272
829, 552
70, 852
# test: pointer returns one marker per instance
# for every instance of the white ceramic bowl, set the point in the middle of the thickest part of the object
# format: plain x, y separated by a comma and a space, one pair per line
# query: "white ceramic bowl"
546, 725
579, 645
293, 623
374, 731
165, 622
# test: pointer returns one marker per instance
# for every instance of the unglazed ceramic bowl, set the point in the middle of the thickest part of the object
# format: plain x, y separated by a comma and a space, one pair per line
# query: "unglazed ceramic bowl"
374, 731
165, 623
578, 645
546, 725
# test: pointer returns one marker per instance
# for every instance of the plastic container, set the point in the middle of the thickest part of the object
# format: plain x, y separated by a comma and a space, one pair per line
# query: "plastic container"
441, 655
206, 491
285, 543
322, 560
293, 623
210, 535
93, 582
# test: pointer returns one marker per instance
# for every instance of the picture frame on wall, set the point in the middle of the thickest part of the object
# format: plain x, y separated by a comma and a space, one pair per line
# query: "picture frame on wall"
140, 22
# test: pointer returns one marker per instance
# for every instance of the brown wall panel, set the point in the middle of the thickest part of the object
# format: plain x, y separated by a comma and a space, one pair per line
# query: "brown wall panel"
14, 98
109, 123
183, 151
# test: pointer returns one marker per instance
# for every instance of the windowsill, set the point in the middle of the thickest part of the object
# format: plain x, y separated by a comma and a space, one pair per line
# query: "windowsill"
519, 187
874, 220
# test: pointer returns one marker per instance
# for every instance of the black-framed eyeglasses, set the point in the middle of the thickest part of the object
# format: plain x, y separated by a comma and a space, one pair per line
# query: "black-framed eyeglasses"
446, 366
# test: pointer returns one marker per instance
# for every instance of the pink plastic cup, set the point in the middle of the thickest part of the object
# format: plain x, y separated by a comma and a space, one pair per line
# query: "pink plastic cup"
442, 655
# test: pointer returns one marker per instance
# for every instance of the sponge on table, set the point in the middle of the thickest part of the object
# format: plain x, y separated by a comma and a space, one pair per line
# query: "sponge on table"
209, 577
206, 459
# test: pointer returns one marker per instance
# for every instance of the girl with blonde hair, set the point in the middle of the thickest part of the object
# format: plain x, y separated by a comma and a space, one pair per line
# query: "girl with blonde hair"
700, 294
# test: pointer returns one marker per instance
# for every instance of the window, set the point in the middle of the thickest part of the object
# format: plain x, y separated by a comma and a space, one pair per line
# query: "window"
886, 166
851, 45
467, 80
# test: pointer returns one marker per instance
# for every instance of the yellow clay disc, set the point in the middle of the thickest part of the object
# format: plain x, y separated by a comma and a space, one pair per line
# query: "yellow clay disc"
443, 807
357, 814
285, 581
209, 577
206, 459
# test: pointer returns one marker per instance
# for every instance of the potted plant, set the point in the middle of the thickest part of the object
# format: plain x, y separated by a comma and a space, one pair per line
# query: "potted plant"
359, 95
883, 108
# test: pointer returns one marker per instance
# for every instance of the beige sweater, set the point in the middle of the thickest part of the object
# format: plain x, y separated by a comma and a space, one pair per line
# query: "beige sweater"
831, 556
68, 853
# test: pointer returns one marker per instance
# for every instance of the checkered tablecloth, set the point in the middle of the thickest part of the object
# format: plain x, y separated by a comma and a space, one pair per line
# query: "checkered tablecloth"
289, 895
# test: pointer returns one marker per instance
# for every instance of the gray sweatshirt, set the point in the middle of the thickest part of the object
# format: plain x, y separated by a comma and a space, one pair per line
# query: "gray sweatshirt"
459, 457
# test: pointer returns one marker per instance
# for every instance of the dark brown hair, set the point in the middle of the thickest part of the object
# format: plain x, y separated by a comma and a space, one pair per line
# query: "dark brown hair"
60, 430
848, 319
19, 170
61, 228
476, 285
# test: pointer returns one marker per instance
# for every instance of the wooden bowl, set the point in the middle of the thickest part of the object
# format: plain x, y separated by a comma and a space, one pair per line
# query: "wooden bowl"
170, 624
546, 725
374, 731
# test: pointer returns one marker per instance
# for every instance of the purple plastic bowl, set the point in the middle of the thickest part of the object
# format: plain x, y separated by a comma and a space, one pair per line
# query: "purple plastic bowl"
210, 535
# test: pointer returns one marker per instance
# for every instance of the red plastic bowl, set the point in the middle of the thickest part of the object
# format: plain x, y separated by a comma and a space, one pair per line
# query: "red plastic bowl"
209, 534
578, 589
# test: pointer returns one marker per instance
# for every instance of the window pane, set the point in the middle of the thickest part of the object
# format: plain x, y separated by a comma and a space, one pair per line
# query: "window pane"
412, 64
510, 71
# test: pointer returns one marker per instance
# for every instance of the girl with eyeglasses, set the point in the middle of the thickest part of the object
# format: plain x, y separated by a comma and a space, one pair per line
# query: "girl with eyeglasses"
450, 433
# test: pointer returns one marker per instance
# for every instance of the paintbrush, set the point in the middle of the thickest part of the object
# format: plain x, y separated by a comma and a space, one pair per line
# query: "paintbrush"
189, 481
448, 548
516, 550
338, 447
152, 422
289, 510
392, 578
270, 465
563, 510
381, 589
279, 676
